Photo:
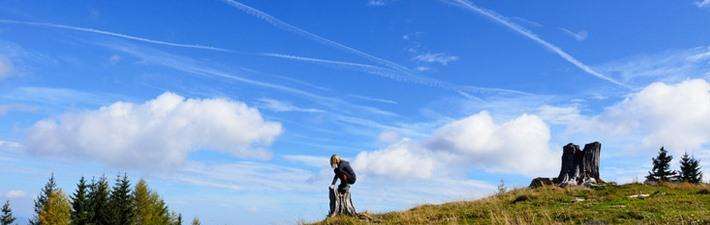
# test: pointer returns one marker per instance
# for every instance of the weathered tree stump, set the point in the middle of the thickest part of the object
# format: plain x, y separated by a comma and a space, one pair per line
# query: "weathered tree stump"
341, 204
578, 166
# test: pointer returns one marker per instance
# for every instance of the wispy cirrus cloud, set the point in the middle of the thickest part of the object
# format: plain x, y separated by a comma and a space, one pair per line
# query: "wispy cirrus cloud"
373, 99
282, 106
13, 194
296, 30
441, 58
113, 34
666, 66
379, 2
579, 35
468, 91
702, 3
5, 67
495, 17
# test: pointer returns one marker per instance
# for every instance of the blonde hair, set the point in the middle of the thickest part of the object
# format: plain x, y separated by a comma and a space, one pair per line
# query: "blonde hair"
334, 160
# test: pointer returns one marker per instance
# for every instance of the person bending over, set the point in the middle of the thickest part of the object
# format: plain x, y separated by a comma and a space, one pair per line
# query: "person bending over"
344, 172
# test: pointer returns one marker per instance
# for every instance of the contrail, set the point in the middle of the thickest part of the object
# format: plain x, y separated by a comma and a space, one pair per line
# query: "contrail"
291, 28
398, 76
371, 69
532, 36
102, 32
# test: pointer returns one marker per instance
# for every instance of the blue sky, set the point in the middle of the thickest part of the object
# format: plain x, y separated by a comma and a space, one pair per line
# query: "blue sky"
229, 109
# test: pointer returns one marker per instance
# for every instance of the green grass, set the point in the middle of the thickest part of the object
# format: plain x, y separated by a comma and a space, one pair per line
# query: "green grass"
667, 204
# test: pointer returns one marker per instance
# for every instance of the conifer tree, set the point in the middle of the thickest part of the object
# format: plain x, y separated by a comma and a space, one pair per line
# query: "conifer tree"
56, 210
149, 208
99, 211
196, 221
47, 190
6, 218
121, 202
177, 218
690, 170
661, 167
80, 204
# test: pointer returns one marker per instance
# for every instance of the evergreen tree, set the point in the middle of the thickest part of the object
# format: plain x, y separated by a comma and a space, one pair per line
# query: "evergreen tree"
690, 170
56, 210
196, 221
41, 200
177, 218
661, 167
6, 218
80, 204
149, 208
121, 202
99, 211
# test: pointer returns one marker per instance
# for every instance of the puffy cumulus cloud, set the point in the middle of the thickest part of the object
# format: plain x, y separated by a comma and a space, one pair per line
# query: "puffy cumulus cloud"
518, 146
402, 159
676, 115
159, 133
673, 115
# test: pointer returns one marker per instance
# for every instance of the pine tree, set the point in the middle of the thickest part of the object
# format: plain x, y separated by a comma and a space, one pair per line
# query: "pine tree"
41, 200
661, 167
99, 211
121, 202
149, 208
80, 204
196, 221
175, 218
6, 218
690, 170
56, 210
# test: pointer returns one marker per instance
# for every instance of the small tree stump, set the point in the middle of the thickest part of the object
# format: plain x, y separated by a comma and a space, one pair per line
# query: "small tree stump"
341, 204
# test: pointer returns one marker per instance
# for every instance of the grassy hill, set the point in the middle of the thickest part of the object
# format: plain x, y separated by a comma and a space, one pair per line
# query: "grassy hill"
665, 204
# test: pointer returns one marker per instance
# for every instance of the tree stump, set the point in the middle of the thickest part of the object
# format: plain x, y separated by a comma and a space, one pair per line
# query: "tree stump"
340, 203
578, 166
590, 165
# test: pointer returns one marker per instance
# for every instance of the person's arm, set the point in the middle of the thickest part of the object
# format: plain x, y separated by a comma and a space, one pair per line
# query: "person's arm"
335, 178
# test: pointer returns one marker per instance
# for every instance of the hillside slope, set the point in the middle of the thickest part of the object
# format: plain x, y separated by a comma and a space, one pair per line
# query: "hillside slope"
665, 204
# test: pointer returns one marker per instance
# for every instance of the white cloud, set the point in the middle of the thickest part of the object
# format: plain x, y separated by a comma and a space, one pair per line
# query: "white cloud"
5, 67
379, 2
661, 114
702, 3
4, 109
281, 106
108, 33
579, 36
441, 58
518, 146
15, 194
402, 159
9, 145
668, 66
158, 133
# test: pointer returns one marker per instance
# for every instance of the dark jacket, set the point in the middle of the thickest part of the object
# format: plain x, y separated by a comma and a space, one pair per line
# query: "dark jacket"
344, 171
